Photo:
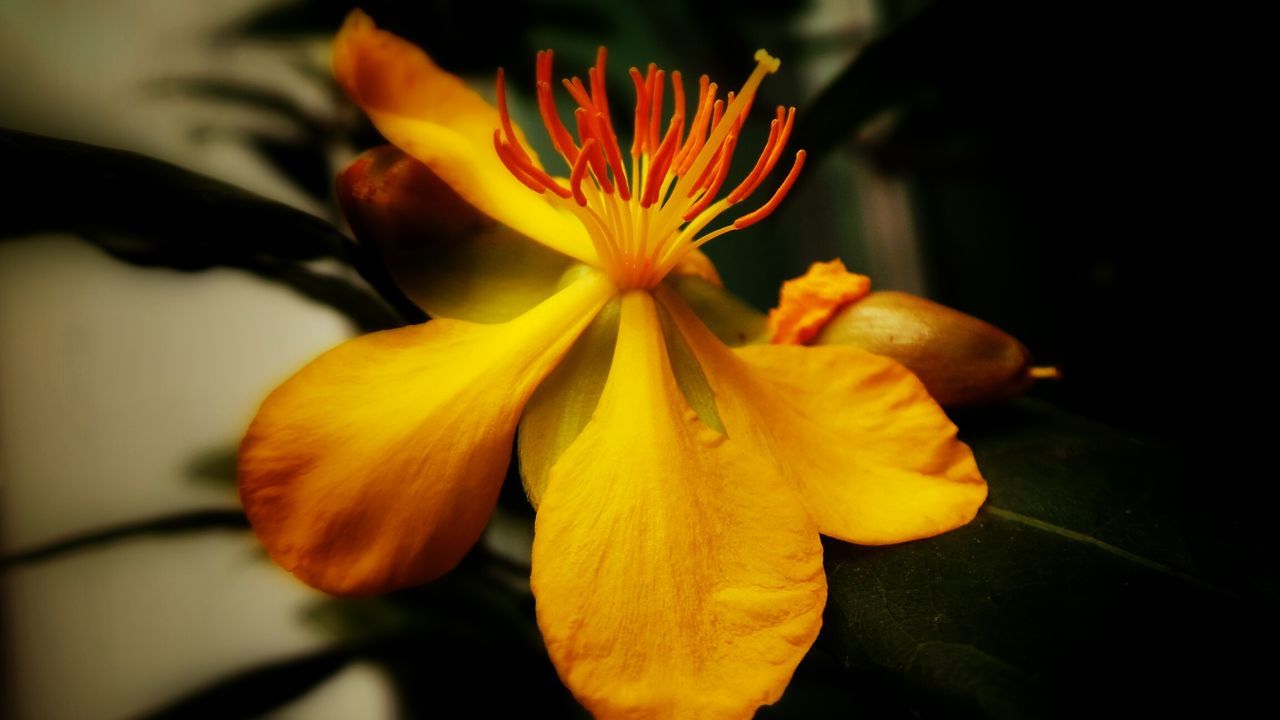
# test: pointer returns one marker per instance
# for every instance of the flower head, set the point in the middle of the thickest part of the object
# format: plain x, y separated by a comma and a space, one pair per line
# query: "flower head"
680, 485
645, 218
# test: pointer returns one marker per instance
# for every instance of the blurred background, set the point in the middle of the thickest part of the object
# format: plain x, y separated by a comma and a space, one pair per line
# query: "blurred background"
1031, 166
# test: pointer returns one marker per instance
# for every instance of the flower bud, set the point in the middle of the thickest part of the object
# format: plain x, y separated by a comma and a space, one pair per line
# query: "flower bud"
401, 207
959, 358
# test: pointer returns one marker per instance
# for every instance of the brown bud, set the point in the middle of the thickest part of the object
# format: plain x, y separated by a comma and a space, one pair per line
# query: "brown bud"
399, 205
959, 358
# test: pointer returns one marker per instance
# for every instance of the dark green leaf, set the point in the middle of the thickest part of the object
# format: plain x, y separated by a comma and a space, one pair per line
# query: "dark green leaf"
260, 690
455, 642
231, 519
152, 213
302, 153
1105, 573
300, 156
822, 689
304, 160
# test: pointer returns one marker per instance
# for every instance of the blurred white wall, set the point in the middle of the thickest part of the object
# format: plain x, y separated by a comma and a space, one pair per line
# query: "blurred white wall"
113, 378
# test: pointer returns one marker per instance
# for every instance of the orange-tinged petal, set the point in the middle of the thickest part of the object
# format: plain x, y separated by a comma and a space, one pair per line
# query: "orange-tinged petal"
874, 457
675, 573
432, 115
449, 258
807, 303
377, 465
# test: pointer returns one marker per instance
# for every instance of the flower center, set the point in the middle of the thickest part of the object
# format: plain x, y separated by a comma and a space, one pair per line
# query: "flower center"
645, 218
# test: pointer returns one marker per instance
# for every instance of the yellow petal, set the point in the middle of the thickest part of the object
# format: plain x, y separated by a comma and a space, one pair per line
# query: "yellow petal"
566, 400
675, 574
563, 404
377, 465
874, 457
432, 115
450, 259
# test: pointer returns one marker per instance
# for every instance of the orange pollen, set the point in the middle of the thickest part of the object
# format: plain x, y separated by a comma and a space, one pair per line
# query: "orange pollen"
646, 217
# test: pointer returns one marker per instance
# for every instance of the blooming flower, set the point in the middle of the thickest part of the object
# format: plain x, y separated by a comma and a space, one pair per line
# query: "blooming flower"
680, 485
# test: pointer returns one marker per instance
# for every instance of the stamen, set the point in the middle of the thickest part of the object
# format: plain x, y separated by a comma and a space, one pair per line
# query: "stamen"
750, 182
505, 117
599, 126
719, 112
658, 171
677, 84
580, 171
755, 217
508, 158
645, 218
716, 182
596, 77
655, 107
765, 64
560, 136
522, 167
597, 157
578, 92
698, 130
706, 172
781, 145
642, 114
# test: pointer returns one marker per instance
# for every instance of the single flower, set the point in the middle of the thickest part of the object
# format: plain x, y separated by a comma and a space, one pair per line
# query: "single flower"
680, 485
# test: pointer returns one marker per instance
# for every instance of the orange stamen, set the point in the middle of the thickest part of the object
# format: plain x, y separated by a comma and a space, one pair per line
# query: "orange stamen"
526, 166
764, 211
708, 170
598, 166
783, 137
504, 155
560, 136
578, 92
600, 128
580, 171
722, 170
757, 173
677, 84
669, 191
642, 114
658, 171
698, 129
655, 107
505, 117
596, 77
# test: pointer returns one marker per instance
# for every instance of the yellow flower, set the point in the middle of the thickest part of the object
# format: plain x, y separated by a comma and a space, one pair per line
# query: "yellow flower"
680, 485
